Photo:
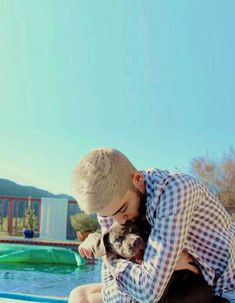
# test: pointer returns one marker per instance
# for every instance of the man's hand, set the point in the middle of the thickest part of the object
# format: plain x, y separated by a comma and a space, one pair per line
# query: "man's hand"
186, 262
84, 251
85, 248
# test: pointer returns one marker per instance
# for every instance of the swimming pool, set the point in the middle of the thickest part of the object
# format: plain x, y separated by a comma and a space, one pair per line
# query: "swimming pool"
45, 279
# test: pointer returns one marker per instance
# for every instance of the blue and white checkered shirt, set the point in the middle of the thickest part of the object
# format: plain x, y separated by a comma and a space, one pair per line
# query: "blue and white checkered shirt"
184, 215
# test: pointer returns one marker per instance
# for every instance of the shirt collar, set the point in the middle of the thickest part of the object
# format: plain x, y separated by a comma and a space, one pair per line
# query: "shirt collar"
155, 180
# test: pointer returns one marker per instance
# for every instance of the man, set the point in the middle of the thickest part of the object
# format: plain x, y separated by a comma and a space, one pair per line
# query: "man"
183, 214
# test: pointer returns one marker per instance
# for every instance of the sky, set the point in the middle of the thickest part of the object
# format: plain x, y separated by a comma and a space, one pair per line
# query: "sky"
154, 79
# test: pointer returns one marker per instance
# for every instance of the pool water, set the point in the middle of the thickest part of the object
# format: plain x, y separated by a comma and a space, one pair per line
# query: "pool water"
46, 280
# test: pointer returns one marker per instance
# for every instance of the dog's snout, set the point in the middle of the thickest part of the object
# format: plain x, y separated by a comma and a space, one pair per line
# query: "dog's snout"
138, 243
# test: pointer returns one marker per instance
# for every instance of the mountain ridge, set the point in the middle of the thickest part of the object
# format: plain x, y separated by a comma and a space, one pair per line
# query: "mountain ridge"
11, 188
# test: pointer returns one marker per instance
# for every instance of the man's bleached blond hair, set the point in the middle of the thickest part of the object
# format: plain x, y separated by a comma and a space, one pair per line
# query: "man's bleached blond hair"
103, 174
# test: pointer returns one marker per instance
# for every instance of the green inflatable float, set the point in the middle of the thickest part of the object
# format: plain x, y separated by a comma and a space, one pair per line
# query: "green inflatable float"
24, 253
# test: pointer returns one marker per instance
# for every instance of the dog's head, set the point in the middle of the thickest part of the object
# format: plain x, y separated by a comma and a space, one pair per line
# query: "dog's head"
123, 241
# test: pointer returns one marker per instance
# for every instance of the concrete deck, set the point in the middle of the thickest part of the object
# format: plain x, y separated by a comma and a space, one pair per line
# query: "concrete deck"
3, 300
12, 300
21, 298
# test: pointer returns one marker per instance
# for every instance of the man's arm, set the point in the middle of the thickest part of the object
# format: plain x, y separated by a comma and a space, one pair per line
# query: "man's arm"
146, 282
110, 285
110, 291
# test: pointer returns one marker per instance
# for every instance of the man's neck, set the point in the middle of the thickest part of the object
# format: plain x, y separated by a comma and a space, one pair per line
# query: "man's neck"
143, 223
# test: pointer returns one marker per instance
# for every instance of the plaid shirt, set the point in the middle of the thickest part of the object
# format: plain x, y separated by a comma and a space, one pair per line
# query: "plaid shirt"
184, 215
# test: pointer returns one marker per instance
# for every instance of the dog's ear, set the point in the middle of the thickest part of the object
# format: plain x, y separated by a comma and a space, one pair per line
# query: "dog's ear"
98, 247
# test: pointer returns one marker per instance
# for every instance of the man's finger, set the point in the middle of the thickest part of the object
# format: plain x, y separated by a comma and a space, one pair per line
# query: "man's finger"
85, 253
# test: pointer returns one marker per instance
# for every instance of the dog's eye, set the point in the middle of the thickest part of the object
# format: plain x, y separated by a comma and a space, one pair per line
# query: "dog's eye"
132, 230
118, 240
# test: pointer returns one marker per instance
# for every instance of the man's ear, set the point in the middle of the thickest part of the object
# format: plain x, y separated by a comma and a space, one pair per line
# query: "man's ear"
138, 181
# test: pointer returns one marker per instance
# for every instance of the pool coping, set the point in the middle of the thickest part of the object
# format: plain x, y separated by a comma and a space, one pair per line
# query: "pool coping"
16, 297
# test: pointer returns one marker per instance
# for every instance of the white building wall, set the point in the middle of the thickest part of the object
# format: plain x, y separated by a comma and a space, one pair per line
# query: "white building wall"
53, 225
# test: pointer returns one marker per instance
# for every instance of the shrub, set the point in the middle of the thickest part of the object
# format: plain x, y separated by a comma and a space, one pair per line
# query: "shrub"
84, 222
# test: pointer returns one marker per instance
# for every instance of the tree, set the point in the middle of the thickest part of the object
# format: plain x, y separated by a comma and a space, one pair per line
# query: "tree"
218, 176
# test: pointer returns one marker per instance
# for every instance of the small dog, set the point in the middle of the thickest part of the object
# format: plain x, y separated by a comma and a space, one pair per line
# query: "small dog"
128, 241
123, 241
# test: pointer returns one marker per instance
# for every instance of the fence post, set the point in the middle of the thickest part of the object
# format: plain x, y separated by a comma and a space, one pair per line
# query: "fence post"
10, 216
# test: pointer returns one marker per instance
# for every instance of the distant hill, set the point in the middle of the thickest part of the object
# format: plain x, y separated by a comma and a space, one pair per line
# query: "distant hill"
10, 188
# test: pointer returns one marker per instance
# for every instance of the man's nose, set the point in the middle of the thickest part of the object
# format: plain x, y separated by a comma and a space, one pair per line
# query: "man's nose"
121, 219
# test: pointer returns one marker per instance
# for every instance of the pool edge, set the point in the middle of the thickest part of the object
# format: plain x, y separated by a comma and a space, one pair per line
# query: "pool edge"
31, 298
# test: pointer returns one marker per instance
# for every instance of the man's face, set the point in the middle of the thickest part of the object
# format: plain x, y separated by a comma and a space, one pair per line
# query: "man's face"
126, 208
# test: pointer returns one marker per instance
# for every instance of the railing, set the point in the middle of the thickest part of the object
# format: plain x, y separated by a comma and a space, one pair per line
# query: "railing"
12, 215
